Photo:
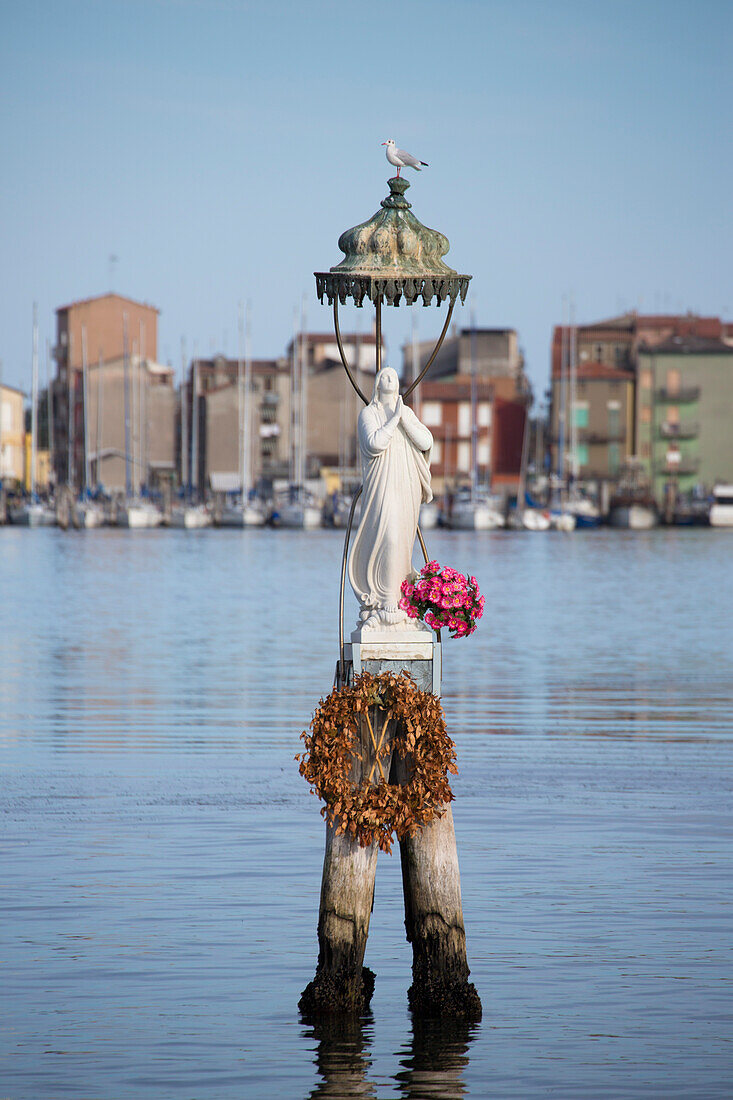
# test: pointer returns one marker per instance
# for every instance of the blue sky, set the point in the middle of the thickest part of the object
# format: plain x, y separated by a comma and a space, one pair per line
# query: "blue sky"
219, 148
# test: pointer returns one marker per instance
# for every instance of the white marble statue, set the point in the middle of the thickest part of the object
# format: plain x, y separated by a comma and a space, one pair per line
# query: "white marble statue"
395, 458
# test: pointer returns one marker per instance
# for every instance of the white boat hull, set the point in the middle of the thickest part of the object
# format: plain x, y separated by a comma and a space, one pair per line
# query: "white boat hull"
189, 519
249, 516
634, 517
305, 517
429, 515
475, 517
138, 516
535, 520
33, 515
563, 521
90, 515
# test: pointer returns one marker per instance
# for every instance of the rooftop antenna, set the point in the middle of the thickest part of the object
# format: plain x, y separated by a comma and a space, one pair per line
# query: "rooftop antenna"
112, 261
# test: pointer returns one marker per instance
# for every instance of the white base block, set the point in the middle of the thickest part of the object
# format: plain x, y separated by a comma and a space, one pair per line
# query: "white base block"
397, 644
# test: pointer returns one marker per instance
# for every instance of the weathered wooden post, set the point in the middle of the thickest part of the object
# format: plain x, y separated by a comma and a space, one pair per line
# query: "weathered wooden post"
379, 750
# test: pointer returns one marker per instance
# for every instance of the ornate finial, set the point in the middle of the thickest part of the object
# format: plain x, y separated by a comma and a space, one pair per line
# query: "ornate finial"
396, 199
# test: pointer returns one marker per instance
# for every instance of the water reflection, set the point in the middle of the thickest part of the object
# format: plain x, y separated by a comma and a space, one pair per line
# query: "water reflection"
342, 1057
435, 1061
432, 1063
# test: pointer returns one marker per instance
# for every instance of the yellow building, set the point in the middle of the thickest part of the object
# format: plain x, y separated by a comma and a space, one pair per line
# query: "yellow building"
43, 467
12, 435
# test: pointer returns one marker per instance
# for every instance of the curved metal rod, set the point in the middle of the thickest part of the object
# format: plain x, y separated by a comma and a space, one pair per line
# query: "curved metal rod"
347, 368
357, 494
431, 360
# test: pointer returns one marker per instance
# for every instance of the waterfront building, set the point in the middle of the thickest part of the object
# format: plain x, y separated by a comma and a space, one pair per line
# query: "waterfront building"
445, 408
221, 422
12, 436
496, 354
332, 403
445, 405
131, 402
684, 413
601, 416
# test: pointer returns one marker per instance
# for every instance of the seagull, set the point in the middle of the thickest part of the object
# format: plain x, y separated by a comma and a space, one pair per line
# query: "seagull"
401, 159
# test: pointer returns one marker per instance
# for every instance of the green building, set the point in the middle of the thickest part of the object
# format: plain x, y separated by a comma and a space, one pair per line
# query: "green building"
684, 413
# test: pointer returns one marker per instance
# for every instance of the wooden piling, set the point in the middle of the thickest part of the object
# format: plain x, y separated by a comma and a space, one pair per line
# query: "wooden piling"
342, 983
431, 885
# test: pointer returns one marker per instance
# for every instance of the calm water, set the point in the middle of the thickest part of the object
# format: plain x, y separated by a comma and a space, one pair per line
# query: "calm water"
161, 857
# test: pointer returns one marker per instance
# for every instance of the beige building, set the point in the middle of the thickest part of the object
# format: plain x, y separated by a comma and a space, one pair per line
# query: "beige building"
12, 435
333, 406
496, 350
131, 424
220, 447
111, 329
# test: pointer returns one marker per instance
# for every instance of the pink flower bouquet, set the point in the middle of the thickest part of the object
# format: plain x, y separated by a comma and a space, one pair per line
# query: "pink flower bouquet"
443, 598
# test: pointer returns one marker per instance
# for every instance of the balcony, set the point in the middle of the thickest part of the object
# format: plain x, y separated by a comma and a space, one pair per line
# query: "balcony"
685, 466
688, 429
681, 396
605, 435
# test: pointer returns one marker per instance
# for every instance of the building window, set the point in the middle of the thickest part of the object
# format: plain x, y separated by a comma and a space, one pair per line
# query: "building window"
645, 379
646, 450
614, 420
614, 458
484, 414
464, 418
673, 380
432, 414
436, 455
582, 454
463, 461
645, 414
673, 415
483, 452
580, 414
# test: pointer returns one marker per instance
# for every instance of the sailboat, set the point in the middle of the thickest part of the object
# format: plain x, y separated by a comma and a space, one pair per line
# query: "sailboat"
245, 511
189, 515
34, 512
299, 508
474, 509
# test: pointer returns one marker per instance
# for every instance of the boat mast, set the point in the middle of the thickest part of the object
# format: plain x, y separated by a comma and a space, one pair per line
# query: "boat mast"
303, 451
240, 400
573, 356
247, 412
294, 391
100, 413
126, 373
85, 399
184, 421
49, 418
194, 425
70, 390
562, 412
34, 401
474, 423
142, 441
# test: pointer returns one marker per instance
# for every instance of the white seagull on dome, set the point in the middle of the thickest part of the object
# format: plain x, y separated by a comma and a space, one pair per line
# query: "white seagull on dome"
401, 159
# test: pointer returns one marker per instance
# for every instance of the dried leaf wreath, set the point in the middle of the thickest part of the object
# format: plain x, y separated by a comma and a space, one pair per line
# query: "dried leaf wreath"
363, 713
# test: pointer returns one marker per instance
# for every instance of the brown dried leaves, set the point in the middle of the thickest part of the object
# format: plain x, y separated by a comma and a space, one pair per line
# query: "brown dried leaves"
353, 731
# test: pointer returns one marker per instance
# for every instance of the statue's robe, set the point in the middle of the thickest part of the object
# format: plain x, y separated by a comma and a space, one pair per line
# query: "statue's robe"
395, 462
